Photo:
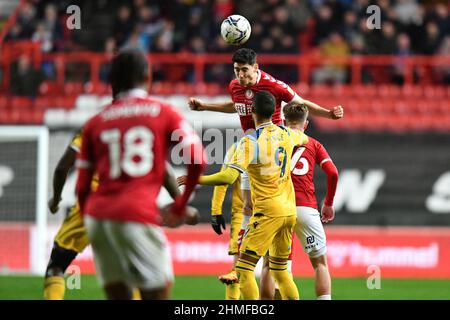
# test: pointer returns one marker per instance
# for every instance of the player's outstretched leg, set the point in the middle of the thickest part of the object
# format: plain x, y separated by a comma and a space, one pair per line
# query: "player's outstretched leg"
54, 284
323, 279
247, 282
279, 270
267, 286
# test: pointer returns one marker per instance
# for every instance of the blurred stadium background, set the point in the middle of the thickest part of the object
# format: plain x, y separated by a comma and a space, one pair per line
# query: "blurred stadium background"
392, 147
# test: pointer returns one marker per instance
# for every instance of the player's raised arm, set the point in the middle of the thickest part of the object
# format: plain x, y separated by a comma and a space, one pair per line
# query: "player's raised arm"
334, 113
198, 105
65, 164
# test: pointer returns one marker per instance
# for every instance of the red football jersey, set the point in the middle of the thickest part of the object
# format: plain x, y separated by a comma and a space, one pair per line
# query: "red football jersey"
242, 97
303, 161
127, 145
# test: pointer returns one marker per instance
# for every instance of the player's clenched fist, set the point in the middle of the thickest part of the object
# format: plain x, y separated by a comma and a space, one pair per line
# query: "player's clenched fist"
337, 112
195, 104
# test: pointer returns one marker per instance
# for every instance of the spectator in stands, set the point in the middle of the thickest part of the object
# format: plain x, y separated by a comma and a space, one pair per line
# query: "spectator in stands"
150, 24
299, 13
110, 50
371, 37
250, 9
52, 24
15, 33
432, 39
387, 14
256, 37
43, 36
443, 72
335, 72
164, 41
25, 80
405, 11
134, 41
123, 25
27, 20
403, 50
197, 26
350, 28
324, 24
197, 45
387, 43
442, 18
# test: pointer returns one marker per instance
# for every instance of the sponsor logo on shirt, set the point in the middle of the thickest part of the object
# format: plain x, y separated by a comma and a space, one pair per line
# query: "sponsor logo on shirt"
243, 109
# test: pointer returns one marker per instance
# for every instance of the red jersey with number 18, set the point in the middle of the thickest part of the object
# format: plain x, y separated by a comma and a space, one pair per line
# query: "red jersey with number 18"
127, 145
242, 97
303, 161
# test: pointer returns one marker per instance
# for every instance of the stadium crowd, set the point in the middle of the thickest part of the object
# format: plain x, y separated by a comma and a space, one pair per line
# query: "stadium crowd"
278, 26
324, 28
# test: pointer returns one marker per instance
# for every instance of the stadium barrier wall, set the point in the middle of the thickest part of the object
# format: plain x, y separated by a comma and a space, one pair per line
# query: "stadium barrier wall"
303, 65
395, 252
385, 180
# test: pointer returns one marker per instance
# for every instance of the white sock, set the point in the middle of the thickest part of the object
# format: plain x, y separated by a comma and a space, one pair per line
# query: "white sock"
289, 266
324, 297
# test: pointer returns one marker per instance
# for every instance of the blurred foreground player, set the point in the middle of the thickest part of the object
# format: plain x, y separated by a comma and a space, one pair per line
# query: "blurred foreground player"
72, 238
127, 145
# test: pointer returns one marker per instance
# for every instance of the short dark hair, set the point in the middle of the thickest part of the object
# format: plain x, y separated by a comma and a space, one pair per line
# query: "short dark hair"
295, 112
264, 104
245, 56
129, 69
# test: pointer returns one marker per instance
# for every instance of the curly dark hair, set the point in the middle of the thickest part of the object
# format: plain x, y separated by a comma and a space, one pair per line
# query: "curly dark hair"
244, 55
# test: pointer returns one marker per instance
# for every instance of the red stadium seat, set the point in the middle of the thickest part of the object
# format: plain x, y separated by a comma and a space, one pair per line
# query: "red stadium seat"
5, 116
4, 102
73, 88
411, 91
186, 89
434, 92
302, 89
49, 88
387, 90
162, 88
367, 91
42, 103
64, 102
213, 89
320, 90
20, 102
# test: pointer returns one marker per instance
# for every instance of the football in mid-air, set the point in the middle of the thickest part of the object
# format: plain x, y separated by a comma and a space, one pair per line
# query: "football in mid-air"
235, 29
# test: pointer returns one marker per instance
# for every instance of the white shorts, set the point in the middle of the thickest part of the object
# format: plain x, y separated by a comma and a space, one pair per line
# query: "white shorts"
245, 181
131, 253
310, 232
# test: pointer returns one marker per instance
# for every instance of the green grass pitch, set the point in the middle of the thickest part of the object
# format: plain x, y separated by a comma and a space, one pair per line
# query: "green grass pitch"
209, 288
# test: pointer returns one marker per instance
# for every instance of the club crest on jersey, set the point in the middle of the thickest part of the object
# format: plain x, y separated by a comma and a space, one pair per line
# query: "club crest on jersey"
249, 94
